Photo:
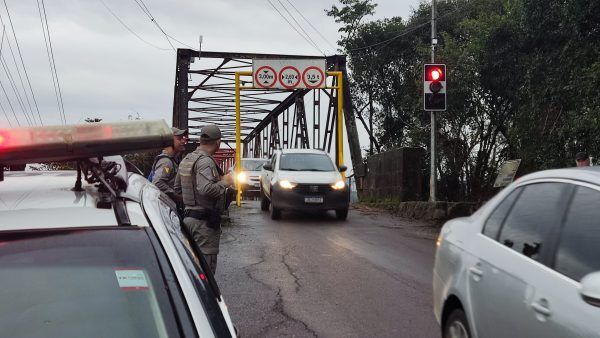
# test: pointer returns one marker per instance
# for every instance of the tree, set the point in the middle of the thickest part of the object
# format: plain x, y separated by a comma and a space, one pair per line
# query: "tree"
522, 79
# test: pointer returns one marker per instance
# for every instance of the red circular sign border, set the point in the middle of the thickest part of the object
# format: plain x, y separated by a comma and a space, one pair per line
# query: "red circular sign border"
322, 77
258, 71
299, 77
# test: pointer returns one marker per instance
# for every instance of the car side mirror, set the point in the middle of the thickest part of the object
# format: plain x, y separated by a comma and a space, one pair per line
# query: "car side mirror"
343, 168
268, 167
590, 288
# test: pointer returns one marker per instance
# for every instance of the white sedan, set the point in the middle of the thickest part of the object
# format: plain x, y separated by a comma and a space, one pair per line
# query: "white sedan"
527, 264
303, 179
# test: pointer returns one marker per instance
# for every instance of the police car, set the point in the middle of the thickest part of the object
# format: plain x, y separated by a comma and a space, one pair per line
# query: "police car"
97, 251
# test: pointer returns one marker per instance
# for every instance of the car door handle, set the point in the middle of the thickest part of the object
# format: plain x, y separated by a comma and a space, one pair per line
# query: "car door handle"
477, 272
541, 309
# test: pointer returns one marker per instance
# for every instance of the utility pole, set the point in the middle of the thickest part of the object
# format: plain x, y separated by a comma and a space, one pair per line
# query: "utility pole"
433, 176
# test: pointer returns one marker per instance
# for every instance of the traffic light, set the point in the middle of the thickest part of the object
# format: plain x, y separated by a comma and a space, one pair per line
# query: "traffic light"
434, 87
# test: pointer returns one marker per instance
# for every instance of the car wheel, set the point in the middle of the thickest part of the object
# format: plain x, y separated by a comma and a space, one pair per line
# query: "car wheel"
275, 213
264, 201
341, 214
457, 326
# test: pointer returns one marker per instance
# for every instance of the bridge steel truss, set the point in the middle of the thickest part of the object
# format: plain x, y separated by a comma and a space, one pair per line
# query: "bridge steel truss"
270, 119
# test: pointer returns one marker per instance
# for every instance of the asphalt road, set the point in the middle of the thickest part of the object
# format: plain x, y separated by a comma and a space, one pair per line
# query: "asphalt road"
311, 275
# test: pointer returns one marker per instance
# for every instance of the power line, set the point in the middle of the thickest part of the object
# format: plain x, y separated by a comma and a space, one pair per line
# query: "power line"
24, 69
50, 54
129, 29
1, 46
13, 85
146, 11
289, 23
311, 25
300, 26
403, 33
9, 103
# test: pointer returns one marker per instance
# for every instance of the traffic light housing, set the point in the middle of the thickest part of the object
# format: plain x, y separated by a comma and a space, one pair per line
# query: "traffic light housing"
434, 87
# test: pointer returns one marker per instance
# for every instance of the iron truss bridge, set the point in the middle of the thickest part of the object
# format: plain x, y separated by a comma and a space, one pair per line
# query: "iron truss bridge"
270, 119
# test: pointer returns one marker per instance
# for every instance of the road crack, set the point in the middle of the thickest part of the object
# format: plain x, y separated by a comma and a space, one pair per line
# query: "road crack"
291, 272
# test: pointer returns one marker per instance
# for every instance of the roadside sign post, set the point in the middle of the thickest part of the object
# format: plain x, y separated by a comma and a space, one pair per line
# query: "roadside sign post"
287, 74
506, 173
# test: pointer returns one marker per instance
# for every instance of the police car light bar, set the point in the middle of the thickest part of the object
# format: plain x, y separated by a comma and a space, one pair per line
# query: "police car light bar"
72, 142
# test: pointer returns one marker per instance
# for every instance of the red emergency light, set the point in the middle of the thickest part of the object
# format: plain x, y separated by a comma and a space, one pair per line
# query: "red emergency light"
71, 142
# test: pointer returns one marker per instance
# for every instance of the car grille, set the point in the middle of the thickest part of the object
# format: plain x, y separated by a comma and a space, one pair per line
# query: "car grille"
313, 188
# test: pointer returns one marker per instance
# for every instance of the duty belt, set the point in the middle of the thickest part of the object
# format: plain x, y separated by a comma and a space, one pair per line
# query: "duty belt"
212, 218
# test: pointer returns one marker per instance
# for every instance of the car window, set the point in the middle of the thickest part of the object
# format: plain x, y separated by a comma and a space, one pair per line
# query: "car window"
83, 283
493, 223
253, 165
578, 251
537, 209
306, 162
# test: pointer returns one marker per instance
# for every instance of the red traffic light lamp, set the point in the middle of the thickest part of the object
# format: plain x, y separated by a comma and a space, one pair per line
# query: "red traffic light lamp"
434, 87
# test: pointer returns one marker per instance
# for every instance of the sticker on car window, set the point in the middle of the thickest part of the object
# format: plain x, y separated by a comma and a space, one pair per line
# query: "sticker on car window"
130, 279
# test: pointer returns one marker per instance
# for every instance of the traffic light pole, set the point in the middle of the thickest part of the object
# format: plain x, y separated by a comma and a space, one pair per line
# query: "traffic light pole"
433, 176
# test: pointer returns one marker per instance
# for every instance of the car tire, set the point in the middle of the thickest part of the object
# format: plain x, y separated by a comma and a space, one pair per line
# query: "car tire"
264, 201
457, 325
275, 213
341, 214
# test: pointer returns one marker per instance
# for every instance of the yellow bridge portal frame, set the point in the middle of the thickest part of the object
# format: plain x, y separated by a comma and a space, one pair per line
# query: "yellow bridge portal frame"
238, 134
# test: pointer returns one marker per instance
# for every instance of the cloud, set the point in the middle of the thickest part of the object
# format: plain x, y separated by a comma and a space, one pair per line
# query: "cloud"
106, 72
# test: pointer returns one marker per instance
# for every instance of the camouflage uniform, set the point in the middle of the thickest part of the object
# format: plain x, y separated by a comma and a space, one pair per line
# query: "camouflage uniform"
165, 170
198, 182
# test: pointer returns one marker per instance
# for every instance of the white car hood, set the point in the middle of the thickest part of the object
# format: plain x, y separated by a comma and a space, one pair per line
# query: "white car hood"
310, 177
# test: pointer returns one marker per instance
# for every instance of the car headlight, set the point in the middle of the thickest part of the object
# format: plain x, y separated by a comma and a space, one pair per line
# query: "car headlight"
242, 177
285, 184
339, 185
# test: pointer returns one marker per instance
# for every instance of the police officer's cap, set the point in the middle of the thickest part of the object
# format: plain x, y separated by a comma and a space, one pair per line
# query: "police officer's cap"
179, 132
581, 156
210, 132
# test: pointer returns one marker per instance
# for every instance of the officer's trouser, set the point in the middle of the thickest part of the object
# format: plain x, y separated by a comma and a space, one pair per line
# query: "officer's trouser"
206, 238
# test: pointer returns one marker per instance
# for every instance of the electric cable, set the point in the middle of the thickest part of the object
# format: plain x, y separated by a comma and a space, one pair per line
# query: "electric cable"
289, 23
300, 26
311, 25
24, 69
129, 29
50, 54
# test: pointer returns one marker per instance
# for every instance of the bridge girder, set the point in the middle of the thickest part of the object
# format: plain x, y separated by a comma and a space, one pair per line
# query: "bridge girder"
265, 114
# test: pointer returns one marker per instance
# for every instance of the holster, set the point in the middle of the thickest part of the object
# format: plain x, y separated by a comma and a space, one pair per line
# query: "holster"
212, 218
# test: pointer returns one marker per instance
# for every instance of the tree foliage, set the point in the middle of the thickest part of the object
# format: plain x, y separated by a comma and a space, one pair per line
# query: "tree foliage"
522, 76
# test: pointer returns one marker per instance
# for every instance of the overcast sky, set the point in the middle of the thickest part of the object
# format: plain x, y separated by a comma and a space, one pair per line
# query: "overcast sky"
105, 71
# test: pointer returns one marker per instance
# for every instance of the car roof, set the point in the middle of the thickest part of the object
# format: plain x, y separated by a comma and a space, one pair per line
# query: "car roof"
587, 174
303, 151
44, 199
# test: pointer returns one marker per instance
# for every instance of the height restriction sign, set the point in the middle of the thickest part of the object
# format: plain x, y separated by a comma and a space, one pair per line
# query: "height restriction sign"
289, 73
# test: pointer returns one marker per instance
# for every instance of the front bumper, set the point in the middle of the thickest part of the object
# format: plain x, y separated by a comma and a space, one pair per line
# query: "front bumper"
295, 199
252, 185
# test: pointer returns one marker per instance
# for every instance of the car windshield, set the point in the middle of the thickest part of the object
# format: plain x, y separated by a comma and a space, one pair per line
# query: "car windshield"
82, 283
253, 165
306, 162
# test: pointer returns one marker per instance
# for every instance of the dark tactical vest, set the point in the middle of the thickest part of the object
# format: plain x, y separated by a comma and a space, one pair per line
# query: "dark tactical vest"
187, 173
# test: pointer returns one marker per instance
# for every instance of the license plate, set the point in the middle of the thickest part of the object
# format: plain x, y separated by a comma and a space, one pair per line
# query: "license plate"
317, 199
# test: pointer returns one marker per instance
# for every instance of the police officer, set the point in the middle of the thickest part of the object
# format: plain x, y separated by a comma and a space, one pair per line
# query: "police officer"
203, 186
582, 159
165, 165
